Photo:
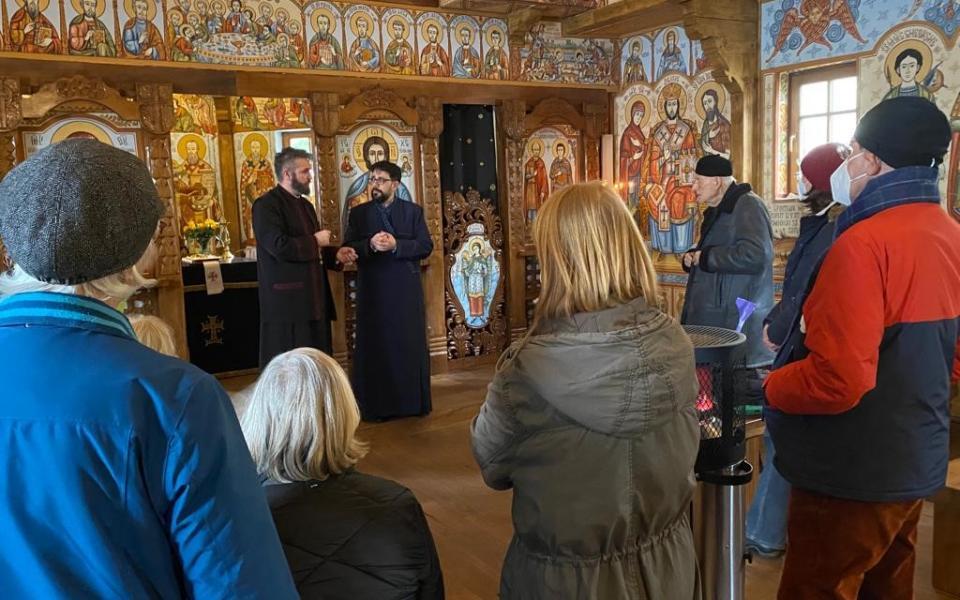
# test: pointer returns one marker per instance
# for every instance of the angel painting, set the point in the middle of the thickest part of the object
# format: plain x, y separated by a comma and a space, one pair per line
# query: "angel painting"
813, 18
474, 276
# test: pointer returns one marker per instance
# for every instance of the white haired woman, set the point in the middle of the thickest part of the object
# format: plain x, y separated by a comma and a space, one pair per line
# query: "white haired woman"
346, 535
591, 418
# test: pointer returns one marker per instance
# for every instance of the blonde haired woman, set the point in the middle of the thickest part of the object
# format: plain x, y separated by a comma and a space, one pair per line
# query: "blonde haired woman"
591, 418
346, 535
154, 333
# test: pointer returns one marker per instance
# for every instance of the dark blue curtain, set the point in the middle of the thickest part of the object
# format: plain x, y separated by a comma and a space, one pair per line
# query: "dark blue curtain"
468, 150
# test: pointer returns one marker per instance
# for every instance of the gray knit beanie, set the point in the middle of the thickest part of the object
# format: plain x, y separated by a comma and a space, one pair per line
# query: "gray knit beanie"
77, 211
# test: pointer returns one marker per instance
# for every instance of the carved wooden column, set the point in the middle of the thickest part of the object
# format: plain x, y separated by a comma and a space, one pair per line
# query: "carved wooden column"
430, 116
511, 119
156, 118
326, 122
596, 125
10, 116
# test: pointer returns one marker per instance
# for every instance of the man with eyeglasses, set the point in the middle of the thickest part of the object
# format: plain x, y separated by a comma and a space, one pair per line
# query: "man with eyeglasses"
391, 363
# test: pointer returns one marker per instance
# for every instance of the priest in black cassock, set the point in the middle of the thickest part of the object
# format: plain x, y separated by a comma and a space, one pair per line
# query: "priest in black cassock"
293, 253
391, 362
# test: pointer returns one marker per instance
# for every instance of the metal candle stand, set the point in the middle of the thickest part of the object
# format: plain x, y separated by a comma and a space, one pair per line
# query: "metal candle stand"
720, 466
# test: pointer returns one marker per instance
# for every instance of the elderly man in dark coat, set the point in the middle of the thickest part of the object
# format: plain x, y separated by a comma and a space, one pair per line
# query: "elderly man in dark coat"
293, 253
391, 362
734, 259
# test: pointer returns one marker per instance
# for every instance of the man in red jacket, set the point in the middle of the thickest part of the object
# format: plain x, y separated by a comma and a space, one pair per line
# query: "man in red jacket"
861, 424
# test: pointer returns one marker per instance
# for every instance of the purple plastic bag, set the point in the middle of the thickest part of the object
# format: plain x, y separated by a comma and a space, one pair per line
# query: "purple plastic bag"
745, 308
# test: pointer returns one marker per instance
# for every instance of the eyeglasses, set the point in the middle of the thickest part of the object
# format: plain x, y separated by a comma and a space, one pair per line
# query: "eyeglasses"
379, 180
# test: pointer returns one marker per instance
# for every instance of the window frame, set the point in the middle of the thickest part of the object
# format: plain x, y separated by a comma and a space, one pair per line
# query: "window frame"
797, 80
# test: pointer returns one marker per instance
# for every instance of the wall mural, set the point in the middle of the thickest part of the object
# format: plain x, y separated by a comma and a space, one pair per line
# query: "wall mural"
105, 127
548, 56
321, 35
549, 164
366, 144
269, 114
196, 159
253, 153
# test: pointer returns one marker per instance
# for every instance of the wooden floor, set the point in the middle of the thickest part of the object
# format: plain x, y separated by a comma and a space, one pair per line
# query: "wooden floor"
470, 522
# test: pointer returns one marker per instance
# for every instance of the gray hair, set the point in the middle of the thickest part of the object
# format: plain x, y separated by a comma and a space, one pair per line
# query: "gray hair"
286, 157
302, 419
116, 286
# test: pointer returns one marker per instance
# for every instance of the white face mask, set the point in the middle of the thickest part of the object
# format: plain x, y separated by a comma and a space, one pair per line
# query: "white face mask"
801, 188
840, 182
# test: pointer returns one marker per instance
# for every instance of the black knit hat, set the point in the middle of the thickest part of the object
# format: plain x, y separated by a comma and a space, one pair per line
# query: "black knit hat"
77, 211
714, 165
905, 131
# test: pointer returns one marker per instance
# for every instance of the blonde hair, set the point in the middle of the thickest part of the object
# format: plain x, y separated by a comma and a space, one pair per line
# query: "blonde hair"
302, 418
117, 286
592, 255
154, 333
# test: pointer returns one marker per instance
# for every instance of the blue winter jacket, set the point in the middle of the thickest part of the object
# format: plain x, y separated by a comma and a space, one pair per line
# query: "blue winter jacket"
124, 473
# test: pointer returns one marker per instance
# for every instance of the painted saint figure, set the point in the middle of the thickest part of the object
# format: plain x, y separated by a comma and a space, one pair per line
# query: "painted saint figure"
908, 65
715, 132
194, 181
633, 150
89, 36
535, 186
495, 65
671, 60
286, 55
466, 61
434, 60
399, 54
32, 31
324, 48
671, 202
476, 275
256, 178
141, 38
364, 52
375, 149
633, 71
561, 173
237, 20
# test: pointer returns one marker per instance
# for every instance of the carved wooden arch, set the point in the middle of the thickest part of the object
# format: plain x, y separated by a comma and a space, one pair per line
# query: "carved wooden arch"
374, 102
78, 89
552, 111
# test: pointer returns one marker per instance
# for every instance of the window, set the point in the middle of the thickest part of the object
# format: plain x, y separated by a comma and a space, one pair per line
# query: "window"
823, 108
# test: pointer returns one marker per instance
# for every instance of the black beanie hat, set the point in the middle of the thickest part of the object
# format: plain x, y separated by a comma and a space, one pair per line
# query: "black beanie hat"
714, 165
904, 132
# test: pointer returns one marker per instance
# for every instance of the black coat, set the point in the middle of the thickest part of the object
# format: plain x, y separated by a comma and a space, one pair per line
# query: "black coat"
736, 261
356, 537
292, 279
391, 362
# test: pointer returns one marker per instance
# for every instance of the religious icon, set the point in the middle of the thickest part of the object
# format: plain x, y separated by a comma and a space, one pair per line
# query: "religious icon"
699, 58
671, 59
670, 201
561, 173
195, 179
256, 177
466, 59
88, 34
238, 20
399, 56
216, 17
264, 24
434, 60
910, 71
633, 151
364, 51
633, 71
193, 113
285, 53
370, 146
953, 173
246, 113
141, 38
31, 31
535, 186
297, 41
183, 49
496, 64
474, 276
346, 167
405, 165
813, 18
715, 131
85, 127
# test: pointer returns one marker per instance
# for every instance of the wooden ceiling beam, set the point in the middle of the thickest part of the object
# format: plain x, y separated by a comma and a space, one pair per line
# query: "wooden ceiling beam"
623, 18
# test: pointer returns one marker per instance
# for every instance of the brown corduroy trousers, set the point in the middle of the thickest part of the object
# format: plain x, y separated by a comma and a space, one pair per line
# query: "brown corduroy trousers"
849, 550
